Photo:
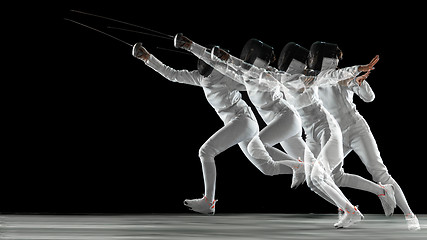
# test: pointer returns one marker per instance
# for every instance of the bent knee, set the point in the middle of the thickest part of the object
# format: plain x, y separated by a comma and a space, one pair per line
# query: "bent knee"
338, 177
317, 175
381, 176
207, 153
269, 168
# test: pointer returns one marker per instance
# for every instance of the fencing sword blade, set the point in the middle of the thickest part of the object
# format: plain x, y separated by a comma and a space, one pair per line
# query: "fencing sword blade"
97, 30
130, 24
134, 31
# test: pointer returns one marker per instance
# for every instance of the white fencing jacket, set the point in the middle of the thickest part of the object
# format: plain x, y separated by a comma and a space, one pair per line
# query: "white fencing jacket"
338, 100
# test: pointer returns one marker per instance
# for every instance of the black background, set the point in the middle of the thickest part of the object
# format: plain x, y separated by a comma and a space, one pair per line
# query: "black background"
91, 129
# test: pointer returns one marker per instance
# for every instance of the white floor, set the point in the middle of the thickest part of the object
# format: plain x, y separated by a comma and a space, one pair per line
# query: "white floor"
194, 226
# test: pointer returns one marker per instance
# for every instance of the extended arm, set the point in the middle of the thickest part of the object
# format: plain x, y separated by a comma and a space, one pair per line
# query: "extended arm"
333, 76
341, 76
225, 63
181, 76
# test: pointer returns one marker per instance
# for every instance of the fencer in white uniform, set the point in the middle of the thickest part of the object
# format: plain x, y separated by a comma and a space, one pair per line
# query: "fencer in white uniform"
292, 59
240, 125
357, 137
281, 118
320, 128
331, 153
314, 126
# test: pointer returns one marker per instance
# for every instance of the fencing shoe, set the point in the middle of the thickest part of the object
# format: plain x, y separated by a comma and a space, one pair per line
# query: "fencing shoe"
412, 221
298, 176
349, 218
388, 200
201, 205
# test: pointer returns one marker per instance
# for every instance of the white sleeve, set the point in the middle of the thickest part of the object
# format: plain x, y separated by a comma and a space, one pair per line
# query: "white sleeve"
300, 82
250, 76
333, 76
180, 76
364, 91
240, 71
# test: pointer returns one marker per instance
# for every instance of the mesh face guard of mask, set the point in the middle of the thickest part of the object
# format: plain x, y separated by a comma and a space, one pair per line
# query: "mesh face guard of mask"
319, 51
254, 49
292, 58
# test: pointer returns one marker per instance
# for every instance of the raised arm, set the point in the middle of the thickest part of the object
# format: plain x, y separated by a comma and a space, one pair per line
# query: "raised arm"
344, 76
181, 76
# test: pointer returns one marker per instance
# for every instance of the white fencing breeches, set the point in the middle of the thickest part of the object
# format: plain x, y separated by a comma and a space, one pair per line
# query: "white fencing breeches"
358, 137
268, 159
285, 129
324, 140
242, 128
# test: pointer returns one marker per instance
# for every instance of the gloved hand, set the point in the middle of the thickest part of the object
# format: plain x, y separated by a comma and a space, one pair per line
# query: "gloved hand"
360, 79
140, 52
370, 66
180, 41
220, 53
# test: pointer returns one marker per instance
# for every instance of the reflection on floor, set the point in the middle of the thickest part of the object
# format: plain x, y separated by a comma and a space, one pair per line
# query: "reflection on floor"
193, 226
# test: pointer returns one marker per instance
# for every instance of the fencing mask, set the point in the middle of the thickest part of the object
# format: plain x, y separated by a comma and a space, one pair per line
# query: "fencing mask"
255, 50
323, 56
293, 58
